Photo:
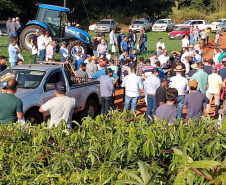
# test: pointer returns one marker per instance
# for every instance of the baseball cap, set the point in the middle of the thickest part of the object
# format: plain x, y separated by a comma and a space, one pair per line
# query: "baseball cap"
165, 79
103, 63
64, 42
37, 30
109, 70
84, 56
3, 84
94, 58
60, 87
193, 83
177, 57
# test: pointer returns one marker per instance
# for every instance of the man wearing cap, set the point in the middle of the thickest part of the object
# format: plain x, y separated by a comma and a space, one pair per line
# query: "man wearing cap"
214, 89
201, 77
133, 84
152, 82
160, 94
106, 90
41, 46
47, 37
63, 52
34, 43
101, 72
91, 67
2, 63
61, 107
181, 84
81, 60
11, 107
160, 44
194, 102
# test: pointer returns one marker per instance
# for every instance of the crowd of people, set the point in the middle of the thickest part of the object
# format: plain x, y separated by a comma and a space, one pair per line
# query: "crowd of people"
170, 82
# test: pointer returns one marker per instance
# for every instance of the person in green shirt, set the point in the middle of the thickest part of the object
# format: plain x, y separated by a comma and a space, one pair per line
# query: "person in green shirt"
201, 77
11, 107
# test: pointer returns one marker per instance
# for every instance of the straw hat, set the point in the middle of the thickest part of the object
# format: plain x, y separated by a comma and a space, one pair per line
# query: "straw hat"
194, 66
179, 68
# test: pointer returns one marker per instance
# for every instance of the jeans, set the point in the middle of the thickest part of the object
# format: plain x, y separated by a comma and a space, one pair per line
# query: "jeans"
13, 33
95, 53
217, 44
191, 38
141, 48
13, 64
196, 40
34, 58
42, 54
180, 105
128, 101
106, 103
151, 106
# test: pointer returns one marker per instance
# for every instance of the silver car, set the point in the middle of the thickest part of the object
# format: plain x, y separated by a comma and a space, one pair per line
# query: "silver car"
106, 25
140, 24
221, 27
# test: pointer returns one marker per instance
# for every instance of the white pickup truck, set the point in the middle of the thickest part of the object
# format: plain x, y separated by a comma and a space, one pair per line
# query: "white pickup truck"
163, 25
36, 83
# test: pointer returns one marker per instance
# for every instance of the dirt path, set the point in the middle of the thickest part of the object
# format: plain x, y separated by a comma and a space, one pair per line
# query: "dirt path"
141, 107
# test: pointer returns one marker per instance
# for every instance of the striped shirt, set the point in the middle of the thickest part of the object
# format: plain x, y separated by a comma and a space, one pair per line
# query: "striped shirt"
125, 70
147, 70
139, 68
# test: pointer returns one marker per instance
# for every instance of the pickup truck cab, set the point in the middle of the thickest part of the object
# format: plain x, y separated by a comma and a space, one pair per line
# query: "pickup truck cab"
202, 24
36, 84
163, 25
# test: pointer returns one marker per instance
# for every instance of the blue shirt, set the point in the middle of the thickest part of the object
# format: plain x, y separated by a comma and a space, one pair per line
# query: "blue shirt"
13, 56
63, 54
101, 72
106, 86
76, 50
124, 45
78, 63
161, 73
222, 73
122, 58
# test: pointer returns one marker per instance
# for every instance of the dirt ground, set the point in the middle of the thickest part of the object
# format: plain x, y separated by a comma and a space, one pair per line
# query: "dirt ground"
141, 106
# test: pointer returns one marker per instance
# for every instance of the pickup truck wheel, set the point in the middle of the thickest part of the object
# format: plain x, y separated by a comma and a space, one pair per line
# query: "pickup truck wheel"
90, 109
34, 117
72, 44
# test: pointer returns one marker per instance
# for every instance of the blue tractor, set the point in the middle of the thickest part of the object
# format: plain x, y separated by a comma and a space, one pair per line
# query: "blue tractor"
55, 20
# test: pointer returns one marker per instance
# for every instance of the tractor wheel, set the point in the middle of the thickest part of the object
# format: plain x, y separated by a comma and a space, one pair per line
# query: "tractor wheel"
72, 44
26, 35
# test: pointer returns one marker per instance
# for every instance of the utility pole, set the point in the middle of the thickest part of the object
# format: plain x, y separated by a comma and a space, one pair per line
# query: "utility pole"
65, 3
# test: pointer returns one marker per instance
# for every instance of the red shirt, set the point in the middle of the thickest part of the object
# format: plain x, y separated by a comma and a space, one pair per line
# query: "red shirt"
219, 66
191, 31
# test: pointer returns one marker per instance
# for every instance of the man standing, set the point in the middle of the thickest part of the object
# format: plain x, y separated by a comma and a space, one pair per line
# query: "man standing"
185, 42
61, 107
214, 89
124, 47
91, 67
140, 66
222, 71
191, 34
34, 43
160, 94
106, 90
102, 47
164, 60
201, 77
167, 111
41, 46
13, 52
2, 63
63, 52
133, 84
7, 29
208, 68
160, 44
196, 35
120, 38
133, 56
113, 41
13, 27
141, 41
130, 40
181, 84
147, 69
151, 85
194, 102
198, 58
11, 107
154, 59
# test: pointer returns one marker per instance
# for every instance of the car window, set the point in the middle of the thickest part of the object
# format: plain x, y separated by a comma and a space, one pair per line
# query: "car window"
199, 22
170, 21
55, 77
193, 22
188, 30
138, 22
104, 22
161, 22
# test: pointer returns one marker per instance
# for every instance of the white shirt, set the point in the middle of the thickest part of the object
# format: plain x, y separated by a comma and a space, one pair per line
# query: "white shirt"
47, 40
133, 84
180, 83
160, 44
185, 43
152, 82
163, 60
198, 58
86, 61
113, 39
187, 67
41, 42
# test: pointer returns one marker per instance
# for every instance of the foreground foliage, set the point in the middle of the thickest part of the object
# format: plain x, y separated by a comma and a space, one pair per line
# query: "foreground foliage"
115, 149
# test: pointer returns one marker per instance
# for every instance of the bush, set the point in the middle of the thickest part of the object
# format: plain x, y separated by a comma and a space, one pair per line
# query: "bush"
113, 149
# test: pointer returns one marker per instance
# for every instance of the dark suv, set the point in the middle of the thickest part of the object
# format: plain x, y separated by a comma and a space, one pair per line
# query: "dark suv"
151, 20
3, 30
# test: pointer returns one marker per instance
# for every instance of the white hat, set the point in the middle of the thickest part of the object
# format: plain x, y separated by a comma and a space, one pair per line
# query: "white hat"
17, 18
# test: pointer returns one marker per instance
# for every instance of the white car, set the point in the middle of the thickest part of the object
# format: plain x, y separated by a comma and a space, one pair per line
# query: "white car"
92, 27
202, 24
163, 25
214, 25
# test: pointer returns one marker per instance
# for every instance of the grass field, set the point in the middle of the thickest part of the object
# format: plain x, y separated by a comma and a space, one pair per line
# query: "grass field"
152, 40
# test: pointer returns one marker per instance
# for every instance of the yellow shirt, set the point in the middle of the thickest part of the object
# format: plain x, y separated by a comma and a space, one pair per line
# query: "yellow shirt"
207, 31
214, 81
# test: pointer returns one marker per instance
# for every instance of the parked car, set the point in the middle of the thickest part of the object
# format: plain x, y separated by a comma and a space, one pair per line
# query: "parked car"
106, 25
202, 24
214, 25
3, 30
179, 32
36, 86
163, 25
221, 27
140, 24
151, 20
92, 27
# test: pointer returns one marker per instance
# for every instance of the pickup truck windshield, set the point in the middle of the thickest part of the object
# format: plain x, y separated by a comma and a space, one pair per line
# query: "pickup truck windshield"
25, 78
104, 22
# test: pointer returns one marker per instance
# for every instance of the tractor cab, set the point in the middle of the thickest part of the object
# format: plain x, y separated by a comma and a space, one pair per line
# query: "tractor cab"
55, 17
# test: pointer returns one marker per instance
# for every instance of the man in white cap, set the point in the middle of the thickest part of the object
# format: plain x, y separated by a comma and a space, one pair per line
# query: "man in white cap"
34, 43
